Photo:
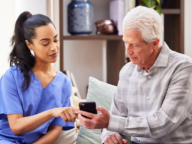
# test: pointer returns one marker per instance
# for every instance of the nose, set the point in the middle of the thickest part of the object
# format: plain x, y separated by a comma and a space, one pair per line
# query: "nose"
129, 50
54, 47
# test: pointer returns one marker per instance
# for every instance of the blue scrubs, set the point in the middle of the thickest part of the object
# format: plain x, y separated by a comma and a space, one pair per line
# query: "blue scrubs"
34, 100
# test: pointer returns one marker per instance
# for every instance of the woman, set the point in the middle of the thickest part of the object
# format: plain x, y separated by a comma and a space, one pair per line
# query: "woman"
34, 96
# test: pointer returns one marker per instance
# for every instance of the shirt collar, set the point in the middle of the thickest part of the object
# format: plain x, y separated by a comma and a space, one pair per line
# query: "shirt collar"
163, 57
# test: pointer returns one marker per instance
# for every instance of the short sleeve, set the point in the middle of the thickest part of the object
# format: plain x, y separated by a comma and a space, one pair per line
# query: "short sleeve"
9, 99
66, 94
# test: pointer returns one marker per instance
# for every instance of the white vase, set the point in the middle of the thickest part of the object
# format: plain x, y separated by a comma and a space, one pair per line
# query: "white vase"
117, 13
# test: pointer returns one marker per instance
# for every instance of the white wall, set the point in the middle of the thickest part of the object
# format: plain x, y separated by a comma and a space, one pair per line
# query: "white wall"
9, 11
55, 8
84, 59
7, 16
33, 6
188, 28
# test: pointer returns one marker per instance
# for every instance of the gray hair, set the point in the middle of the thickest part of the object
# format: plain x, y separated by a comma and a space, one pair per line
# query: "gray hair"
147, 21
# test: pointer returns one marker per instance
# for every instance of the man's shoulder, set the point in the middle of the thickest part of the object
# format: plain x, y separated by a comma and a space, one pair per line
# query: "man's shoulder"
129, 67
178, 58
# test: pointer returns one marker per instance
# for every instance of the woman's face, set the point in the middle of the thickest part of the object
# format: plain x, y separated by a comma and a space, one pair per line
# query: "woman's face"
46, 44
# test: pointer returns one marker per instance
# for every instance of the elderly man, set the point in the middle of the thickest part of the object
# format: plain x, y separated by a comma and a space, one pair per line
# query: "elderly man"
153, 101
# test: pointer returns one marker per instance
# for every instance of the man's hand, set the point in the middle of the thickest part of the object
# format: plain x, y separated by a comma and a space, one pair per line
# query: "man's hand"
97, 121
115, 138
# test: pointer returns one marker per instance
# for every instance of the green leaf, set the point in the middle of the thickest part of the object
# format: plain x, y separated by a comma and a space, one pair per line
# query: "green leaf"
158, 9
144, 2
152, 4
148, 3
159, 1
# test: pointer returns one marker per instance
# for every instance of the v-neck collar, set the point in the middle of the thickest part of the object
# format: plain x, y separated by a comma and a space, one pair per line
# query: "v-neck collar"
49, 83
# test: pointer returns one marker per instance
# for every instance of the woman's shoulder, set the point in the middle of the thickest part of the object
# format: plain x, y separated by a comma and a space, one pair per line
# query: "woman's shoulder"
13, 71
63, 78
64, 82
13, 76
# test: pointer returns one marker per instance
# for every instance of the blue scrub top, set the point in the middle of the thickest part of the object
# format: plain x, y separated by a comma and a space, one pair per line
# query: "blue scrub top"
34, 100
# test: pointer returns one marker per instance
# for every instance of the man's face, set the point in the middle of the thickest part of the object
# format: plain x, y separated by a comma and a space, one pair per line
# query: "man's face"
138, 51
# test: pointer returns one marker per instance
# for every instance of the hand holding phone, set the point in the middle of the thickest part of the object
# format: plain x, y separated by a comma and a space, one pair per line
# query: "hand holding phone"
88, 107
95, 121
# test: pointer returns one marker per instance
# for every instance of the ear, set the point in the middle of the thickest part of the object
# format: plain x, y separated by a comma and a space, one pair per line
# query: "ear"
29, 45
155, 43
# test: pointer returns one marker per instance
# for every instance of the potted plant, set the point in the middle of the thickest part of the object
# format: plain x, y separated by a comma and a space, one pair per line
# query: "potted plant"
155, 4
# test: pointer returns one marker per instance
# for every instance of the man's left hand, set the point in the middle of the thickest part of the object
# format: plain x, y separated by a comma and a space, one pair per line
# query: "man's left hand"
97, 121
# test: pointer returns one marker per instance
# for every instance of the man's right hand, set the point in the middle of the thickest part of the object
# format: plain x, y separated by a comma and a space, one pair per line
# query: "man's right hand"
115, 138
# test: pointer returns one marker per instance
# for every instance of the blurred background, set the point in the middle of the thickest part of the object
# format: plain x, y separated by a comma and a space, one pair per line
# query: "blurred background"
95, 48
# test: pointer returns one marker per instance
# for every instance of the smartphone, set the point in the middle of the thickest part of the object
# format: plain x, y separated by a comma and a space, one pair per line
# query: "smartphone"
88, 107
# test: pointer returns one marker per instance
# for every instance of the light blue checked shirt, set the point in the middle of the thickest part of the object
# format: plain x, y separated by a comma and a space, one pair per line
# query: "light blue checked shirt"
154, 107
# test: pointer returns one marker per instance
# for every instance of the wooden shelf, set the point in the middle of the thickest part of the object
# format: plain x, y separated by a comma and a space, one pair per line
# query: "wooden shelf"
171, 11
93, 37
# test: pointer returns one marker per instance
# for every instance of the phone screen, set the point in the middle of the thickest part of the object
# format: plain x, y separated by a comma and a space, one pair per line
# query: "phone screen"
88, 107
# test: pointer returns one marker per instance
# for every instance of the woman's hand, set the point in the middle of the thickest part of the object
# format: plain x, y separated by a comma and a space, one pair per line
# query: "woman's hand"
68, 114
